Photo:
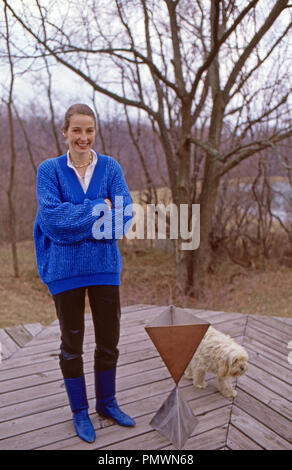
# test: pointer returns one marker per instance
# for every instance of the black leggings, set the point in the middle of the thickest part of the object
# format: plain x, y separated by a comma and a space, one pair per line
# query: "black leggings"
105, 307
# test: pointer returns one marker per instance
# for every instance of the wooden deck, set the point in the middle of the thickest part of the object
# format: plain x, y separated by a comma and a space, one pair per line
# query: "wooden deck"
34, 410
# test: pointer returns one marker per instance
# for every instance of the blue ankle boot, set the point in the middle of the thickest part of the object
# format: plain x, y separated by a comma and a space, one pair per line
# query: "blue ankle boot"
79, 405
106, 404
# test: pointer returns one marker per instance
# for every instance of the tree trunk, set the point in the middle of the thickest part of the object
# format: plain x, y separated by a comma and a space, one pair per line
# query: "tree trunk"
12, 231
202, 256
12, 221
183, 191
208, 196
10, 191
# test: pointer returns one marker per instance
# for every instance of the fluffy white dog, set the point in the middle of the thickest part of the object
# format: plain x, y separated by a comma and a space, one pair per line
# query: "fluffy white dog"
220, 354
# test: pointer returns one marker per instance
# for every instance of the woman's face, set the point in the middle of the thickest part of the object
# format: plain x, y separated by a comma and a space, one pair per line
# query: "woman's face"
80, 134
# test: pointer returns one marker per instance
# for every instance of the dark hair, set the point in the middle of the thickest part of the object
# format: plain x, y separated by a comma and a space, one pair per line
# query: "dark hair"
78, 108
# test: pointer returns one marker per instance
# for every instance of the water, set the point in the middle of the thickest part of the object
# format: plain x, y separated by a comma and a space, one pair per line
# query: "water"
282, 200
281, 204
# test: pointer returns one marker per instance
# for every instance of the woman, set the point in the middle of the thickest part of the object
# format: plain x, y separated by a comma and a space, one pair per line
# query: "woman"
83, 200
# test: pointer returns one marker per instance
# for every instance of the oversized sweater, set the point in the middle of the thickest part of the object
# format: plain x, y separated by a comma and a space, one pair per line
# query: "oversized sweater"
76, 233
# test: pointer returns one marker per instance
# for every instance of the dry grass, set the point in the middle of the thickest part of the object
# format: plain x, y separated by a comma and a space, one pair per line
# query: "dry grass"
26, 299
148, 277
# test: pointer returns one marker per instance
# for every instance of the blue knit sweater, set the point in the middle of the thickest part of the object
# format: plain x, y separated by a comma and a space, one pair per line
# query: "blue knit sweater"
76, 233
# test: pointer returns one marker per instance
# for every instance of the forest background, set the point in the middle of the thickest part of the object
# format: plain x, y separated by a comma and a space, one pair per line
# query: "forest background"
194, 100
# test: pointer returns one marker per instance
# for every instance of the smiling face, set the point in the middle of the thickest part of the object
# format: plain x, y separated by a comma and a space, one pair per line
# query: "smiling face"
80, 135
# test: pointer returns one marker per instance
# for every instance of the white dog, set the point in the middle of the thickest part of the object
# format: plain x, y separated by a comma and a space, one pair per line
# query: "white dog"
220, 354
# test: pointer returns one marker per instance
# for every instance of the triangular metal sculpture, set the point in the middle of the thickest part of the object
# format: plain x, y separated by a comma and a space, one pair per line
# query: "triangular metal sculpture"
175, 419
176, 335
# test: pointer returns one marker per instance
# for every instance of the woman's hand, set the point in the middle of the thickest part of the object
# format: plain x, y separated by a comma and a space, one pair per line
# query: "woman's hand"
109, 203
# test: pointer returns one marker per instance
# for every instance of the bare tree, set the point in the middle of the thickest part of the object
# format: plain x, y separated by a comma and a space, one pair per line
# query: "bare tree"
285, 197
218, 64
10, 190
27, 140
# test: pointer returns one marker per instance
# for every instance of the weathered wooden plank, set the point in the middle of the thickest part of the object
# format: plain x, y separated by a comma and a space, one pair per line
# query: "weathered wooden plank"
8, 346
48, 376
59, 398
20, 361
150, 440
261, 349
43, 354
48, 334
55, 396
215, 420
53, 331
274, 322
35, 349
34, 328
30, 440
37, 346
14, 338
266, 396
282, 336
50, 382
111, 437
210, 440
236, 440
53, 346
286, 320
19, 334
53, 363
270, 366
234, 328
128, 328
143, 382
66, 439
265, 415
147, 403
215, 317
259, 375
42, 420
49, 339
134, 308
153, 440
261, 337
27, 370
142, 366
47, 366
263, 436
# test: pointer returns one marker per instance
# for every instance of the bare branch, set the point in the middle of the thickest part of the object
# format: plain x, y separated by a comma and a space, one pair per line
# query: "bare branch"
253, 148
216, 47
177, 59
206, 146
276, 11
260, 61
69, 65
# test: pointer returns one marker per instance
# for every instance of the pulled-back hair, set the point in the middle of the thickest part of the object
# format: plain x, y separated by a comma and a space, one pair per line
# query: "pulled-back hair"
78, 108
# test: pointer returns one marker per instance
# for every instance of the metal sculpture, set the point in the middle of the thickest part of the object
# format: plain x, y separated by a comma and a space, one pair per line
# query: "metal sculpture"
176, 335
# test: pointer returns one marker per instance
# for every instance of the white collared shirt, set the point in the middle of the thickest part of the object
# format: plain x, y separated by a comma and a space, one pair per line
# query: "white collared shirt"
89, 170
